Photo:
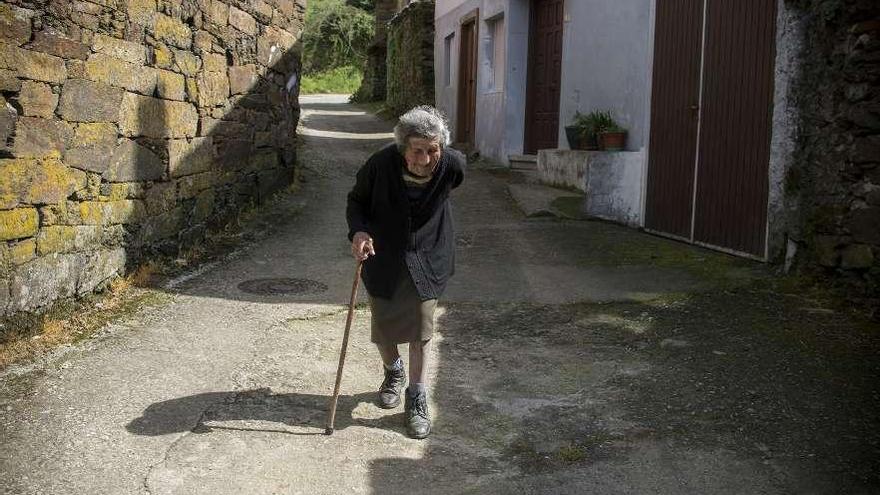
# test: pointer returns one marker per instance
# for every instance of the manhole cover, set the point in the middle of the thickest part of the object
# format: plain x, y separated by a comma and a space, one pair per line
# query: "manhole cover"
279, 286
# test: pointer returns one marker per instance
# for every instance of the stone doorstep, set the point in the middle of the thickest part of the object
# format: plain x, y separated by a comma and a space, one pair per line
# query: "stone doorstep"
523, 162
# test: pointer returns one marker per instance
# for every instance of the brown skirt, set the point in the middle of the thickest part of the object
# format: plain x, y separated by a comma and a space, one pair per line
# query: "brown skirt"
404, 317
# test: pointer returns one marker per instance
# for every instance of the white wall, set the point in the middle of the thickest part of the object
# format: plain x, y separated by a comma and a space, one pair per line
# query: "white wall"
491, 117
606, 55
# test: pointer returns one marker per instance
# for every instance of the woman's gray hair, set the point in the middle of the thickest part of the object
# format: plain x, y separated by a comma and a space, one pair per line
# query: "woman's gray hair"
423, 121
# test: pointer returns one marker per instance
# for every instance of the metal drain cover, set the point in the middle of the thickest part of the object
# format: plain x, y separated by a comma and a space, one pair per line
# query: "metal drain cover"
280, 286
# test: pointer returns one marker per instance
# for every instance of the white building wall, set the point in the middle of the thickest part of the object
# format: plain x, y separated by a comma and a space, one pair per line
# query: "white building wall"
493, 124
606, 58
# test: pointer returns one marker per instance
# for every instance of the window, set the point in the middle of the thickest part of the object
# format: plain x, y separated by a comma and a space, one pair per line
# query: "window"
495, 54
447, 60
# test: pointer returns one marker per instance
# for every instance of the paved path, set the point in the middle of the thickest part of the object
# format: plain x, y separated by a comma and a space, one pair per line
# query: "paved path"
571, 357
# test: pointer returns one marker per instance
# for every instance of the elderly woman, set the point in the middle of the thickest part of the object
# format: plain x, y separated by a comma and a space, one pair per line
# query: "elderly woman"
400, 225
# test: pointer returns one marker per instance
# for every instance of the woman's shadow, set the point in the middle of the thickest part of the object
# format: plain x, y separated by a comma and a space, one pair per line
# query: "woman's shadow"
257, 410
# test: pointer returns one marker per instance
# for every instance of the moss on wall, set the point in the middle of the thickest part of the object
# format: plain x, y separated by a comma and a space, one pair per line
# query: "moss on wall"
129, 128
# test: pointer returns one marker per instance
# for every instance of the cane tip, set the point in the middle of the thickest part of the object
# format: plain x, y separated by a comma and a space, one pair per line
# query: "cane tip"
328, 431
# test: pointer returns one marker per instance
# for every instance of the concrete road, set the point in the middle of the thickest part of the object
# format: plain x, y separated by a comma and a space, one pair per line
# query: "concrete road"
571, 357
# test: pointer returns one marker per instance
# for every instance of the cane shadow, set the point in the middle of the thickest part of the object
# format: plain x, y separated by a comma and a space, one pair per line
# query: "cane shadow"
257, 410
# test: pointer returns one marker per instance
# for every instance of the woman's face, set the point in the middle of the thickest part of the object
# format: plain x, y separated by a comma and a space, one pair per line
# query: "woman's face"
422, 156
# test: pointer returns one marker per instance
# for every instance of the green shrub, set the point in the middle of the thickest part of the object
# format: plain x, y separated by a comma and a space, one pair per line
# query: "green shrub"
336, 34
341, 80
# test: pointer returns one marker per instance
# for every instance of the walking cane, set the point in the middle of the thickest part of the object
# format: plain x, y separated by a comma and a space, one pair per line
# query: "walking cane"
354, 289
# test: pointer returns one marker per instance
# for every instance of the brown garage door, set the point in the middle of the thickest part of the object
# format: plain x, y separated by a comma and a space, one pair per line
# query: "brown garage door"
709, 155
731, 202
676, 93
544, 79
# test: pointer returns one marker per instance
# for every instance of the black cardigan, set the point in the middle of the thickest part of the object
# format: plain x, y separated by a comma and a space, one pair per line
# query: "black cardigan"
421, 239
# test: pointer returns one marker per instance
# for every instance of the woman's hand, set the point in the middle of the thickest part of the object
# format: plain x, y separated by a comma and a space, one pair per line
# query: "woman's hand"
362, 246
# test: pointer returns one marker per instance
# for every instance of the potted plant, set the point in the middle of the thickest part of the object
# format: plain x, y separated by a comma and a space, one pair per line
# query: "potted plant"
581, 133
612, 137
573, 134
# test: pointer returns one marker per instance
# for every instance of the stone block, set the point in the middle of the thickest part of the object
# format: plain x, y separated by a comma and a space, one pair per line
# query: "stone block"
89, 158
866, 150
189, 186
214, 62
172, 31
272, 44
18, 223
15, 25
89, 101
218, 13
162, 225
262, 10
63, 213
864, 225
157, 118
826, 251
192, 90
187, 63
9, 81
116, 72
141, 12
131, 162
37, 99
857, 256
128, 51
213, 88
123, 190
242, 21
287, 7
94, 134
190, 157
99, 268
18, 253
36, 137
233, 154
32, 65
54, 43
163, 57
37, 181
242, 79
203, 41
44, 280
76, 69
160, 197
204, 205
67, 238
125, 211
170, 85
8, 117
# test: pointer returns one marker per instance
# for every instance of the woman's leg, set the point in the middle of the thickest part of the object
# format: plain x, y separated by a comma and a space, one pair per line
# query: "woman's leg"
418, 357
389, 354
418, 423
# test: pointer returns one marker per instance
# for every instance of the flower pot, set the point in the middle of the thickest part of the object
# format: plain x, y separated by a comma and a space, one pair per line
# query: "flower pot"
573, 134
589, 141
613, 141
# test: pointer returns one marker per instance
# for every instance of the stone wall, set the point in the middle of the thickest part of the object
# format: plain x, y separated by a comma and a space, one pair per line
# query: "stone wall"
129, 127
373, 84
835, 177
410, 58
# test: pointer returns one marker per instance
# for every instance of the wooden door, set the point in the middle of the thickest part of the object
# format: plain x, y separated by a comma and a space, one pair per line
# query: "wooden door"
711, 116
544, 75
734, 149
675, 100
467, 83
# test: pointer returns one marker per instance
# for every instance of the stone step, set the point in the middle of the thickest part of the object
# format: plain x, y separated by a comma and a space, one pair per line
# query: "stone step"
523, 162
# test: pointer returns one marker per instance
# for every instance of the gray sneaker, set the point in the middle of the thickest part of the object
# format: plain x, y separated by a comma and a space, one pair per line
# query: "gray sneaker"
389, 391
418, 425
